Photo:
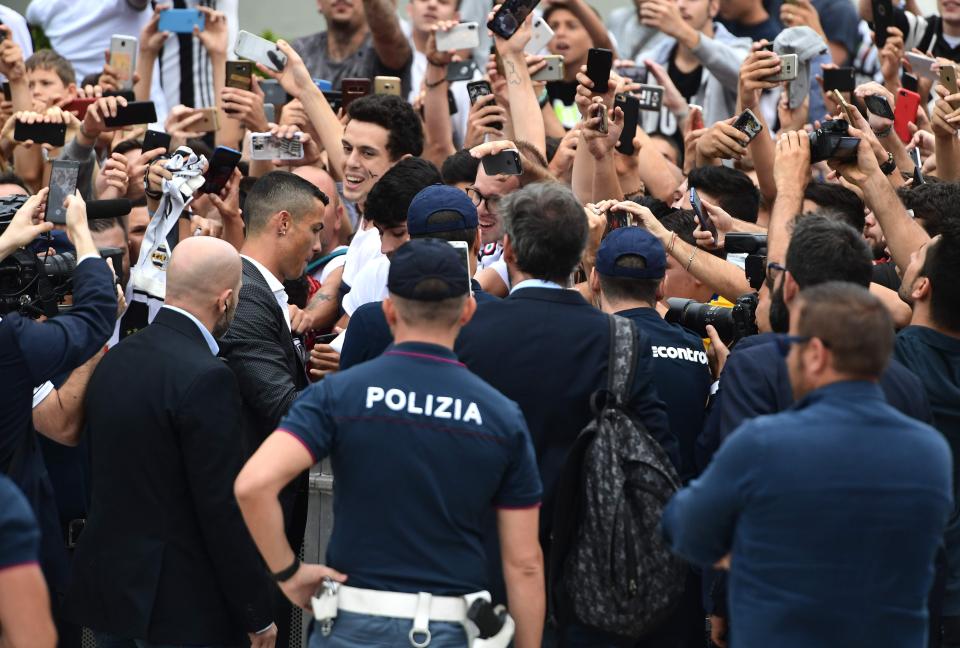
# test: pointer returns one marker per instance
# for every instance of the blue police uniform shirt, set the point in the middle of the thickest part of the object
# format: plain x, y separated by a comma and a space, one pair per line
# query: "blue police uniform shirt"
19, 533
422, 449
682, 377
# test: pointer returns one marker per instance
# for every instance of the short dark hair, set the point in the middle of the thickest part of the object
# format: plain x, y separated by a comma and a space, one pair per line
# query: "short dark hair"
104, 224
278, 191
547, 230
837, 202
934, 204
47, 59
853, 324
390, 198
9, 177
128, 145
628, 288
942, 268
656, 206
459, 167
823, 250
733, 189
682, 223
443, 313
468, 236
397, 117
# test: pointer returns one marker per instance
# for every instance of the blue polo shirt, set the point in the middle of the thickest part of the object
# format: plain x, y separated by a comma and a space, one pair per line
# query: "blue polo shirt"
422, 450
19, 533
682, 377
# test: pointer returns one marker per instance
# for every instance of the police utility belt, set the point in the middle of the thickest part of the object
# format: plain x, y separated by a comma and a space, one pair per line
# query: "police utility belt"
486, 626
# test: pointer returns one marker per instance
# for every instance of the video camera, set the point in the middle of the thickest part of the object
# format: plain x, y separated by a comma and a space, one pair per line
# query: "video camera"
34, 285
755, 247
732, 324
832, 142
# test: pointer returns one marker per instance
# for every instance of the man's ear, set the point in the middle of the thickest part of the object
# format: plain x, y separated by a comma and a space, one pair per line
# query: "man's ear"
508, 254
817, 357
469, 308
283, 222
661, 289
72, 90
594, 281
920, 290
389, 312
223, 300
790, 288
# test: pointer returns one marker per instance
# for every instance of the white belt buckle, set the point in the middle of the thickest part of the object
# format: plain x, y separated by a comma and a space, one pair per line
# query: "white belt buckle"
421, 621
325, 606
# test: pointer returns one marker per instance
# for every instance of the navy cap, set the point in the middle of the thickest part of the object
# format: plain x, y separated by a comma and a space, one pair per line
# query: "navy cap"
427, 270
634, 241
436, 198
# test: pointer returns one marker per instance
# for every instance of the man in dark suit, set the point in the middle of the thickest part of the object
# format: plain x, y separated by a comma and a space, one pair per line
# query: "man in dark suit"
165, 557
284, 217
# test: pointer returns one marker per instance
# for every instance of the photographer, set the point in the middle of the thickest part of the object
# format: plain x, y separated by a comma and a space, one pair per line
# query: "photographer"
33, 352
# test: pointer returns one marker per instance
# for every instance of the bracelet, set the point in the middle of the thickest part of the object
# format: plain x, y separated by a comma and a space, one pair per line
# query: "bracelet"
286, 574
883, 132
673, 239
430, 86
638, 192
889, 166
439, 65
690, 260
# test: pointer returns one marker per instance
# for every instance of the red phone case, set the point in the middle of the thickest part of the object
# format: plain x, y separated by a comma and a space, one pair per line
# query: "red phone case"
905, 113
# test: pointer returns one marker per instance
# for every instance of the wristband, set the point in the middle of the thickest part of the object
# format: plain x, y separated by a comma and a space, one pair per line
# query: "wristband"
439, 65
883, 132
286, 574
889, 166
430, 86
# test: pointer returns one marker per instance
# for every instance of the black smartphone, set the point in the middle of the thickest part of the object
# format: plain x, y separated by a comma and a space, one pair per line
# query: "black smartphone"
461, 70
63, 183
334, 98
6, 89
909, 82
156, 139
326, 339
53, 134
353, 89
503, 163
878, 106
510, 16
452, 102
917, 166
650, 97
477, 89
273, 92
222, 163
137, 112
618, 219
748, 124
599, 63
630, 106
841, 79
882, 18
706, 223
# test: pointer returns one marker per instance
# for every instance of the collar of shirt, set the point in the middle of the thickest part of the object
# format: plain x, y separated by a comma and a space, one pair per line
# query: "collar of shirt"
275, 285
847, 391
645, 312
536, 283
425, 351
207, 336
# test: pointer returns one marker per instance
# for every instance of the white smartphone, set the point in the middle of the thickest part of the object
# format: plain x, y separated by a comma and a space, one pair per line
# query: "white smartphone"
464, 251
259, 50
123, 58
552, 71
466, 35
922, 66
264, 146
542, 35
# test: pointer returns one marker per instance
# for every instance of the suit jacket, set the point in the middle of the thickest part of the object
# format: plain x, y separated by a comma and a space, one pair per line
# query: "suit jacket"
547, 350
31, 353
165, 555
260, 350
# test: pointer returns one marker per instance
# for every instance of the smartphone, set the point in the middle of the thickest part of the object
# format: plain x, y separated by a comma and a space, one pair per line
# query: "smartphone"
635, 73
153, 139
841, 79
748, 124
323, 85
630, 106
209, 123
464, 36
463, 250
123, 58
326, 339
79, 106
181, 21
844, 105
948, 78
600, 110
788, 69
917, 166
599, 63
905, 113
461, 70
882, 18
333, 97
63, 183
552, 71
270, 113
706, 223
136, 112
696, 116
353, 89
259, 50
6, 89
650, 97
386, 85
510, 16
878, 106
617, 219
240, 75
222, 163
505, 162
477, 89
910, 82
264, 146
541, 36
922, 65
273, 92
53, 134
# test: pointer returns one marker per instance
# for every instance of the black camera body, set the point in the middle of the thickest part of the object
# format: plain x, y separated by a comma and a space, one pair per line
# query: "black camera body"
755, 247
732, 324
832, 142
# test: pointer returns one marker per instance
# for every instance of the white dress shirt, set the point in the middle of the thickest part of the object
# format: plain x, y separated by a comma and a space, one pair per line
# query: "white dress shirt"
275, 285
207, 335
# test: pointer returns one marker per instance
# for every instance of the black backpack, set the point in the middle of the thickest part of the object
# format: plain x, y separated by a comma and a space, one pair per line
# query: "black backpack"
610, 567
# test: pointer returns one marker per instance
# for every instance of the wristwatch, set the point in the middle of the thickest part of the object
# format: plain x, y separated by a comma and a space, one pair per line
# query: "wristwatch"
286, 574
890, 165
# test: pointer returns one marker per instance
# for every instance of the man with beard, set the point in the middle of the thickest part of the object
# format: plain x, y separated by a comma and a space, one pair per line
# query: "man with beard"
165, 557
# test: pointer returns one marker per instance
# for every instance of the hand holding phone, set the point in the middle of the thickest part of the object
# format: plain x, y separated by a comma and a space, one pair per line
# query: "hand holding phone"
506, 162
63, 183
706, 223
599, 64
40, 132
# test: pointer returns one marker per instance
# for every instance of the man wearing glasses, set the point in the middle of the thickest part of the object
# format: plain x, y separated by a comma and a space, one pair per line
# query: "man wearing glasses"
828, 515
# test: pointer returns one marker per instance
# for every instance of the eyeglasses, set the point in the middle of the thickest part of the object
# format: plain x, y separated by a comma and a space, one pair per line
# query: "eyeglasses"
784, 342
477, 197
774, 269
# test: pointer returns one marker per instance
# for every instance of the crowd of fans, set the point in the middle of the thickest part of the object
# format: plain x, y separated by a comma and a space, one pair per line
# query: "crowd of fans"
610, 325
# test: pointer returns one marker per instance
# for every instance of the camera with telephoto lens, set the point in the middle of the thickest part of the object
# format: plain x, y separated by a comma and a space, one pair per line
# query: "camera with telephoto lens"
755, 247
831, 142
34, 285
732, 324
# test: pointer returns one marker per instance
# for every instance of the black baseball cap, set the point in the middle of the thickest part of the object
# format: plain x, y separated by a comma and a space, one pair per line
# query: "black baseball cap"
427, 270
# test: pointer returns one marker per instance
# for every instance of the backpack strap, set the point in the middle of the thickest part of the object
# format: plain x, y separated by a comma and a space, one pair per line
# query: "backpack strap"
622, 363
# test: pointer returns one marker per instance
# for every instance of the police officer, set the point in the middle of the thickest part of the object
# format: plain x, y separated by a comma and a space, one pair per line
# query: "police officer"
628, 277
422, 451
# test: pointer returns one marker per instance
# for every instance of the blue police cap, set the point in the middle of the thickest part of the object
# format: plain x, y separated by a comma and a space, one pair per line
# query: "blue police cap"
437, 198
427, 270
631, 241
